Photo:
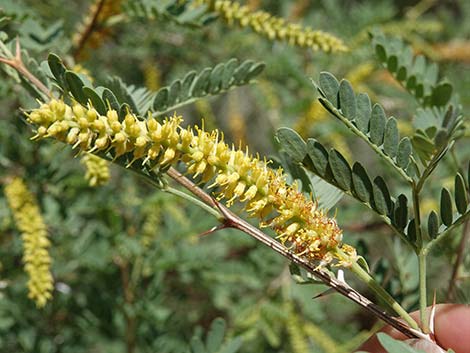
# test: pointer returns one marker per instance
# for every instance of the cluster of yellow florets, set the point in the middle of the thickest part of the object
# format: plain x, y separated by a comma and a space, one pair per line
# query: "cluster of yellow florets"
97, 169
36, 258
235, 174
275, 28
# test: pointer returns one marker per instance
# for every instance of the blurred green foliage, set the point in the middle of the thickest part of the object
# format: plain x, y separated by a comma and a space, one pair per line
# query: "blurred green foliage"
131, 273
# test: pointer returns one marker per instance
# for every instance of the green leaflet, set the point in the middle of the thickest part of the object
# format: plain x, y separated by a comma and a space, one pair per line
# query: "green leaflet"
446, 207
347, 100
411, 231
377, 125
215, 336
391, 137
461, 198
95, 100
400, 216
292, 143
161, 99
433, 225
404, 153
318, 155
361, 183
364, 111
174, 93
382, 200
57, 68
329, 86
75, 85
341, 170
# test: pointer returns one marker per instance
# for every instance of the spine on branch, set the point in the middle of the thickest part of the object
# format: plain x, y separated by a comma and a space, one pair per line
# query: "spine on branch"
235, 174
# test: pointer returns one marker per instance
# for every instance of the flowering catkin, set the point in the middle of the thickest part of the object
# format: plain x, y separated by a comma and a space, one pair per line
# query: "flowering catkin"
235, 175
275, 28
36, 258
97, 169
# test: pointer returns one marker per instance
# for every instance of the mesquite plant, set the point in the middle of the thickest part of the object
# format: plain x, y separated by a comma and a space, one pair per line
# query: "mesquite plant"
143, 132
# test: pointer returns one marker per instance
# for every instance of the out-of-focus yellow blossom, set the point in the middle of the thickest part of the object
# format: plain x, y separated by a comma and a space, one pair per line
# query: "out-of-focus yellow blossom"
235, 174
97, 169
275, 28
37, 261
152, 75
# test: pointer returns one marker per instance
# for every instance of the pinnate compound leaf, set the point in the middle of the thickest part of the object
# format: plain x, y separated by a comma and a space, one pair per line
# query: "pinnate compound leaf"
341, 169
446, 207
461, 198
377, 125
347, 100
382, 199
433, 224
330, 87
292, 143
361, 183
209, 81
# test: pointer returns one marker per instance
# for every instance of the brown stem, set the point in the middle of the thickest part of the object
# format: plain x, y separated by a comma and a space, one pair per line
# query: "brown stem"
17, 64
233, 221
129, 296
458, 260
90, 27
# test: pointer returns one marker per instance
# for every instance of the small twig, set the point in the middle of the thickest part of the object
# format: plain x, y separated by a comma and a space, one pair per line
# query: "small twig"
458, 260
233, 221
90, 27
17, 63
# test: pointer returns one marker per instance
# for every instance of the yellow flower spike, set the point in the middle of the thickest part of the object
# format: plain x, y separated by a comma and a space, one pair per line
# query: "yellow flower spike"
235, 174
35, 242
275, 28
97, 169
